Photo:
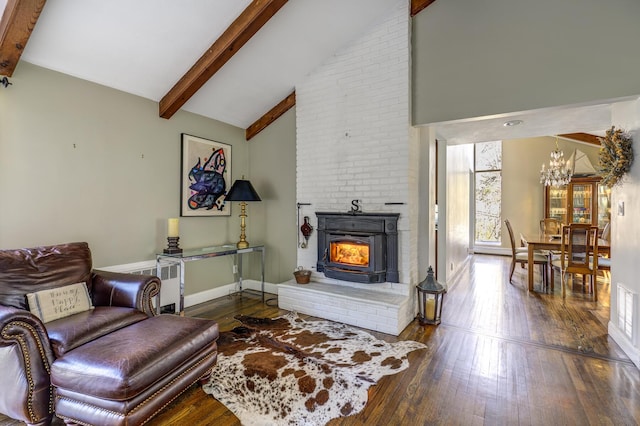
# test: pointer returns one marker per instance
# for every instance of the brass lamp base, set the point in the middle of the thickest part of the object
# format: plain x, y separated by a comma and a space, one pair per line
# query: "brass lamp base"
243, 244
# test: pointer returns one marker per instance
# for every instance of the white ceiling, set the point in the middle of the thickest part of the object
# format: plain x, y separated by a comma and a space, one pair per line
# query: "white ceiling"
143, 47
593, 119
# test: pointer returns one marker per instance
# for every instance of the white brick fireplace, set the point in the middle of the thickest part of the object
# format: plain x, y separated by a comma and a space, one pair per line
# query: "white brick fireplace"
354, 142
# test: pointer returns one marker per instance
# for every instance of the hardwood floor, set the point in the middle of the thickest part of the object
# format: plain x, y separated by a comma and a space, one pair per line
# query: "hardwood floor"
501, 356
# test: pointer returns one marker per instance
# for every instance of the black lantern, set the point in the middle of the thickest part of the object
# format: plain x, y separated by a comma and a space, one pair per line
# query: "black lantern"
430, 297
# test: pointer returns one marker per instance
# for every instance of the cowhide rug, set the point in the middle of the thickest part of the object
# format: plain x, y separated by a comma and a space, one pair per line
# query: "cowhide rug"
288, 371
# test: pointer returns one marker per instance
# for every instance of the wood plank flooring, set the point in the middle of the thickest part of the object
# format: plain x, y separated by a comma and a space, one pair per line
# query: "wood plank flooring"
502, 356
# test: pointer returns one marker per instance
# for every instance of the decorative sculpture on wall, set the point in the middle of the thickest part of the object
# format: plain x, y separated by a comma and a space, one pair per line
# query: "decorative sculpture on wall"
306, 230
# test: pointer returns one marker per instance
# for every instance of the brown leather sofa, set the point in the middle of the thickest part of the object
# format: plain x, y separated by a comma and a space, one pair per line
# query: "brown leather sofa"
115, 364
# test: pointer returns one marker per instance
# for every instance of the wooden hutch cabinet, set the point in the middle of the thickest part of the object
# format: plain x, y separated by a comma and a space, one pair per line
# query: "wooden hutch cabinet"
583, 200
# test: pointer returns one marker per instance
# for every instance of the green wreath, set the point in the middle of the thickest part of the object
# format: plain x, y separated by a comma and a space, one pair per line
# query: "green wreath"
616, 156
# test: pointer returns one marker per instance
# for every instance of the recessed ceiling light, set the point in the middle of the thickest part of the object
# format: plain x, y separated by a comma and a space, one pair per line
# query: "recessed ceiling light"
512, 123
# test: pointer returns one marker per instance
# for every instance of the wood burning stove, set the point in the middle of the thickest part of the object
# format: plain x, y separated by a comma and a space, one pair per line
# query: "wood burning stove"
358, 247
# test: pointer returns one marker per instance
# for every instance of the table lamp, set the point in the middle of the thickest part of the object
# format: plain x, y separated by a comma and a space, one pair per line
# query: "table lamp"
242, 191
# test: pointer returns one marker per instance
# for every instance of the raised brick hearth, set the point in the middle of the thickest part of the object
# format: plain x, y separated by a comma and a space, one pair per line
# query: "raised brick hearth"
380, 307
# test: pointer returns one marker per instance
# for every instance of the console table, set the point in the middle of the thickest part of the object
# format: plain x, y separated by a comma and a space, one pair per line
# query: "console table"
191, 255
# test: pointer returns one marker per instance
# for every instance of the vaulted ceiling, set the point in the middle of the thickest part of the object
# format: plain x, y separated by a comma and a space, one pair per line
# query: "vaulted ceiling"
237, 61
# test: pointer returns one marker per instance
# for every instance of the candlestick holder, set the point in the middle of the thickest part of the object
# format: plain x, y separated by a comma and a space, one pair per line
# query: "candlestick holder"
172, 248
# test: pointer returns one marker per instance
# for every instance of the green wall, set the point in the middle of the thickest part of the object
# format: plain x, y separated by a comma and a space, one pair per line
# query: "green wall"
82, 162
477, 58
272, 160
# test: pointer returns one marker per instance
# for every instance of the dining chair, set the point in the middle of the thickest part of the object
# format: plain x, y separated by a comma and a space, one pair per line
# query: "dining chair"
606, 232
518, 255
604, 265
578, 255
604, 261
550, 226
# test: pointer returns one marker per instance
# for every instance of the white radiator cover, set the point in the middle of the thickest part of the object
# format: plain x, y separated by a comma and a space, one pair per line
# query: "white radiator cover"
627, 302
169, 275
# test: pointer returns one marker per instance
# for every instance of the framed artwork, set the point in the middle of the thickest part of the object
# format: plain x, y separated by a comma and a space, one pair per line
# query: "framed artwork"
205, 177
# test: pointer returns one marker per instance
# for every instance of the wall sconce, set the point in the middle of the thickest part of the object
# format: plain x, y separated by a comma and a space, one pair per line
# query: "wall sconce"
430, 297
242, 191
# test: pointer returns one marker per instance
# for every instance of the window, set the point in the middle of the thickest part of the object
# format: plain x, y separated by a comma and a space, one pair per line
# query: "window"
488, 191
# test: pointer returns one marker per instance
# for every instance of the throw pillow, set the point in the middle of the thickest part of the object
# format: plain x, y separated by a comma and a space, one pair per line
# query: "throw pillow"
60, 302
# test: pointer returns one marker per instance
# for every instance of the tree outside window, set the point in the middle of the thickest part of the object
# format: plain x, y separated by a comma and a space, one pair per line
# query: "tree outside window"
488, 191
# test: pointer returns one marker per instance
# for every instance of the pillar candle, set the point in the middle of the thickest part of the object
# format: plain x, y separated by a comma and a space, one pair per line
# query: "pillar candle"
173, 228
430, 309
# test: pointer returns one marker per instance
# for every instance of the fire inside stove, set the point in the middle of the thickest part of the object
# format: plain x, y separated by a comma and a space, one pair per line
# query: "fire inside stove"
350, 253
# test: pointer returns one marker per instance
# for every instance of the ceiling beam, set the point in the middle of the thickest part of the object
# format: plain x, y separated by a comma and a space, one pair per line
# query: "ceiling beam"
16, 25
418, 5
582, 137
271, 116
239, 32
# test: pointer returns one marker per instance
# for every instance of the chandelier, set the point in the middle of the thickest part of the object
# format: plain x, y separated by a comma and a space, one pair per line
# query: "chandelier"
559, 172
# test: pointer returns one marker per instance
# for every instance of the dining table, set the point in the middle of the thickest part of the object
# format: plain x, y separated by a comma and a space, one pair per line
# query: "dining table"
542, 241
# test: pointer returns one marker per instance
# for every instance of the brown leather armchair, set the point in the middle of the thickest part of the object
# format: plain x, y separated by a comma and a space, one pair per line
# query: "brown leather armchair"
49, 368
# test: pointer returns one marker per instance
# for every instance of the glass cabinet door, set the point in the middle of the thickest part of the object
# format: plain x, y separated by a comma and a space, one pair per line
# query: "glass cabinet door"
557, 204
582, 197
583, 200
604, 206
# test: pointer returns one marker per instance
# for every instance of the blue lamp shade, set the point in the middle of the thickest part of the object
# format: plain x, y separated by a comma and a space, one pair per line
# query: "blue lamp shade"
242, 190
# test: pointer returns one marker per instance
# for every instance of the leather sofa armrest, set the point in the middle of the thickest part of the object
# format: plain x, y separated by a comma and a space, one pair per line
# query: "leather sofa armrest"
25, 360
21, 326
126, 290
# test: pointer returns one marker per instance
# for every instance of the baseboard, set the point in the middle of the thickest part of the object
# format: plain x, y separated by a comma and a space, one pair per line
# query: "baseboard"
500, 251
625, 344
225, 290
